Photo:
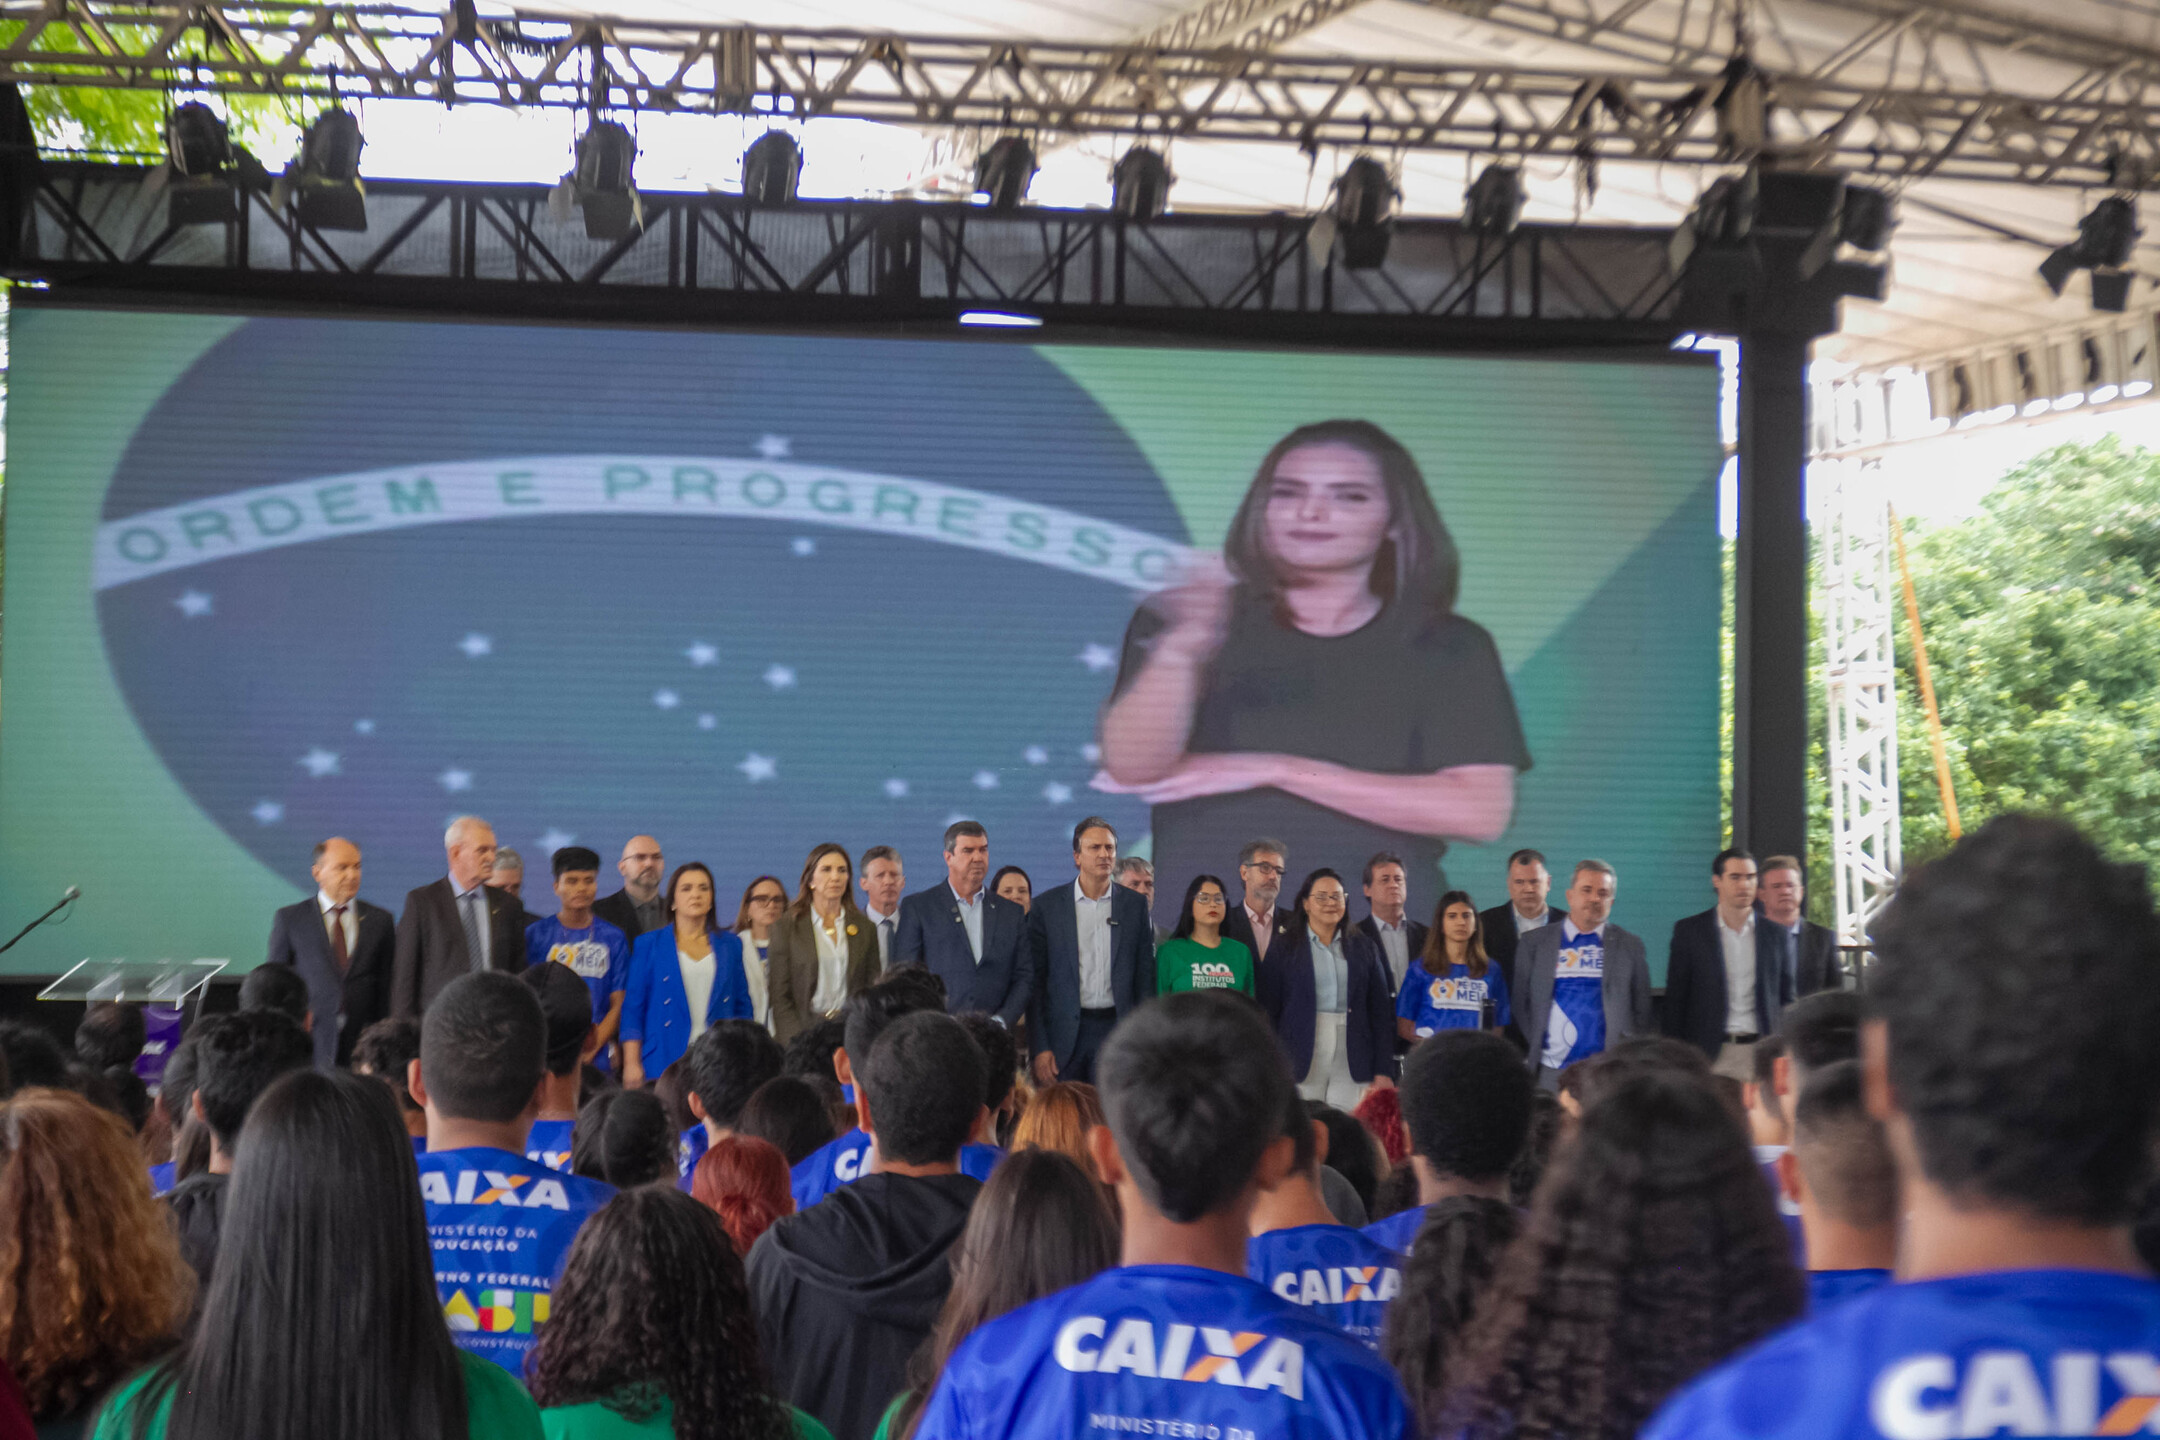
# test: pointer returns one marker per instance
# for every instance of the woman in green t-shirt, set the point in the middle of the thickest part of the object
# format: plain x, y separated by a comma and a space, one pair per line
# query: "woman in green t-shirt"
650, 1335
322, 1318
1197, 956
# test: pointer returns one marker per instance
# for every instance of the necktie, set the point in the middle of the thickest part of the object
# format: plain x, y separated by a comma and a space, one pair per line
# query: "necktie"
337, 938
884, 942
469, 912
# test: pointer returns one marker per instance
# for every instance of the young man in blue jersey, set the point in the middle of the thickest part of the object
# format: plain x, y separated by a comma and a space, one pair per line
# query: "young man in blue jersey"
1303, 1253
846, 1292
1177, 1340
572, 1039
1466, 1103
595, 951
2011, 1051
1839, 1174
500, 1225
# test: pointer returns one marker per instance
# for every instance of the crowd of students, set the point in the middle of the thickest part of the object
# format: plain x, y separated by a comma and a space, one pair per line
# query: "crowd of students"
1919, 1219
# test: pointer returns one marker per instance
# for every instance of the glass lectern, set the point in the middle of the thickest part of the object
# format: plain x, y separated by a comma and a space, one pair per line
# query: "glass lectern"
166, 982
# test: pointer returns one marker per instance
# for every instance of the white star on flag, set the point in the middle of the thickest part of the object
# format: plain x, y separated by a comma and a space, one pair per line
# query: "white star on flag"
666, 699
773, 447
896, 787
455, 780
269, 812
193, 603
1091, 752
707, 722
986, 779
1036, 755
1098, 658
701, 653
320, 762
756, 767
780, 677
1057, 794
363, 727
555, 839
476, 646
804, 546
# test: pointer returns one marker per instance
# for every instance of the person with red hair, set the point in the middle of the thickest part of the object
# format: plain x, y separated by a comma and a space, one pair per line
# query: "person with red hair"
745, 1182
1381, 1113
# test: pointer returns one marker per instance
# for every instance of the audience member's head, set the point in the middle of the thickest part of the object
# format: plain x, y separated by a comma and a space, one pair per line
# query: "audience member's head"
91, 1281
1466, 1104
789, 1114
236, 1060
176, 1103
1766, 1119
1638, 1055
1653, 1252
811, 1051
1194, 1088
838, 1106
745, 1181
1352, 1151
1001, 1057
278, 988
867, 1013
1818, 1030
386, 1050
1450, 1266
1546, 1117
1059, 1118
32, 1056
2013, 1038
112, 1034
1840, 1173
327, 1321
624, 1138
672, 1090
652, 1306
725, 1067
1398, 1192
1040, 1225
566, 1007
922, 1090
483, 1053
1381, 1113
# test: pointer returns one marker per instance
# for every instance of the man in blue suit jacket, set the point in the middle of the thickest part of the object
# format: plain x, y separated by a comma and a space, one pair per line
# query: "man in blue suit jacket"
1093, 955
972, 940
1701, 1006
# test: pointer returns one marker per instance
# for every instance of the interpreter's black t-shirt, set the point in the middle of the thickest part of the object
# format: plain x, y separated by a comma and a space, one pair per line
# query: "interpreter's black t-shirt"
1403, 695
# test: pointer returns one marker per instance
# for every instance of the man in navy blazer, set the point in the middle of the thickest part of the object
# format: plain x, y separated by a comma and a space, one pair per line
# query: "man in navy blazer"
1093, 955
342, 947
970, 938
1730, 975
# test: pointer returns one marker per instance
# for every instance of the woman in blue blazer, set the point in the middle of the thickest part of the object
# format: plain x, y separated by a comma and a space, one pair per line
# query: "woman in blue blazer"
667, 966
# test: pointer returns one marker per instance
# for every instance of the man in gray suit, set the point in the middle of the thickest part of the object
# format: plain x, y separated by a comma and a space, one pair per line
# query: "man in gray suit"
1582, 984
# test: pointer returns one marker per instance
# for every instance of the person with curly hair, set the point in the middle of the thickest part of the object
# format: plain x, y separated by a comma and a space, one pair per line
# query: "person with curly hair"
652, 1335
1653, 1252
91, 1280
745, 1181
1445, 1276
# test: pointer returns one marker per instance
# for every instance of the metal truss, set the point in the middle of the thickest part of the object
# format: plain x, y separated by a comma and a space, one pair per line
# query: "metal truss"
1974, 131
704, 256
1860, 680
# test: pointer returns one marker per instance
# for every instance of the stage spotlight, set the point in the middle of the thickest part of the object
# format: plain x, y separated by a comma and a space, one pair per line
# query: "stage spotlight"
2111, 290
1005, 171
1364, 211
1140, 185
600, 184
2107, 237
199, 157
770, 169
1494, 201
323, 185
1866, 218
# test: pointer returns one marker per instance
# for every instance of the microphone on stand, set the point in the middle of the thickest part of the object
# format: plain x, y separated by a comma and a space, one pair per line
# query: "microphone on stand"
72, 893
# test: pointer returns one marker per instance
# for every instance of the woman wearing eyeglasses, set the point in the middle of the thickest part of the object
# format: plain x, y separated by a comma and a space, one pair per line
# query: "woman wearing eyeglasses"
761, 908
1325, 989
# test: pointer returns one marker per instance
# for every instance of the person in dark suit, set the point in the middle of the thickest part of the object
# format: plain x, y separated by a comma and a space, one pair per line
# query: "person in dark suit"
1093, 956
823, 950
1340, 1034
1730, 975
1816, 962
1581, 984
972, 938
455, 925
639, 905
1503, 926
342, 947
1256, 922
1397, 937
509, 874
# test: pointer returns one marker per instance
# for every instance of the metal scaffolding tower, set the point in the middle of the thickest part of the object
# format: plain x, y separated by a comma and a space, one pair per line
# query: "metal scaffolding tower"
1860, 678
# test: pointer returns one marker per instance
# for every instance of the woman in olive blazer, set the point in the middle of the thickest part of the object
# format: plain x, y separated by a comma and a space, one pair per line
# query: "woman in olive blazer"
823, 921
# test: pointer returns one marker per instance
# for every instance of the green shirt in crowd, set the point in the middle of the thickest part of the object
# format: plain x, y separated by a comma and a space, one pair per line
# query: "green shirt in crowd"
1186, 964
594, 1420
496, 1407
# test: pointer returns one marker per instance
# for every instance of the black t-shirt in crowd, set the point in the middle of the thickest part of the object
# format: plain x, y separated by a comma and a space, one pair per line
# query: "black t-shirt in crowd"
1403, 695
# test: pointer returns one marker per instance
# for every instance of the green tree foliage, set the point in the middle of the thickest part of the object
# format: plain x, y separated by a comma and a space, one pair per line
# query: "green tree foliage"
131, 122
2042, 615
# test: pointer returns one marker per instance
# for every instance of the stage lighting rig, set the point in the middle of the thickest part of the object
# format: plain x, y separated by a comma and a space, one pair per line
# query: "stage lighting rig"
200, 165
1494, 201
1005, 171
1766, 242
1363, 213
771, 169
1140, 185
600, 184
2107, 238
323, 185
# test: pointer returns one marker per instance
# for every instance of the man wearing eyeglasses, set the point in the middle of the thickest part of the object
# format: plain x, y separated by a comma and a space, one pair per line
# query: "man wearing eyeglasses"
1260, 869
636, 908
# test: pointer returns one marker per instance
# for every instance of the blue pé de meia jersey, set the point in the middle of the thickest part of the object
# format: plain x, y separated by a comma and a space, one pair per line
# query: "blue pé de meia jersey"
1331, 1270
598, 954
690, 1148
1834, 1287
1576, 1030
847, 1159
549, 1144
2032, 1352
500, 1227
1453, 1001
1398, 1232
1164, 1350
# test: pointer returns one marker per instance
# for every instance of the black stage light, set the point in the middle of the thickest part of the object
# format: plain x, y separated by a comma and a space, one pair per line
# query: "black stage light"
2107, 237
1364, 213
1867, 218
1005, 171
199, 154
1140, 185
771, 168
324, 183
1494, 201
2111, 290
600, 183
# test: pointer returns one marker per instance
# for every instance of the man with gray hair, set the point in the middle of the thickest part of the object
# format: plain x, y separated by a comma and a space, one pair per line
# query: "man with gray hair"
455, 925
1583, 984
1260, 870
1137, 874
509, 875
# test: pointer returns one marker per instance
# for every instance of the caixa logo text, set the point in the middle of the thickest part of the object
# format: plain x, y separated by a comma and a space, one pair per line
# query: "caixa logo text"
1198, 1354
2003, 1392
